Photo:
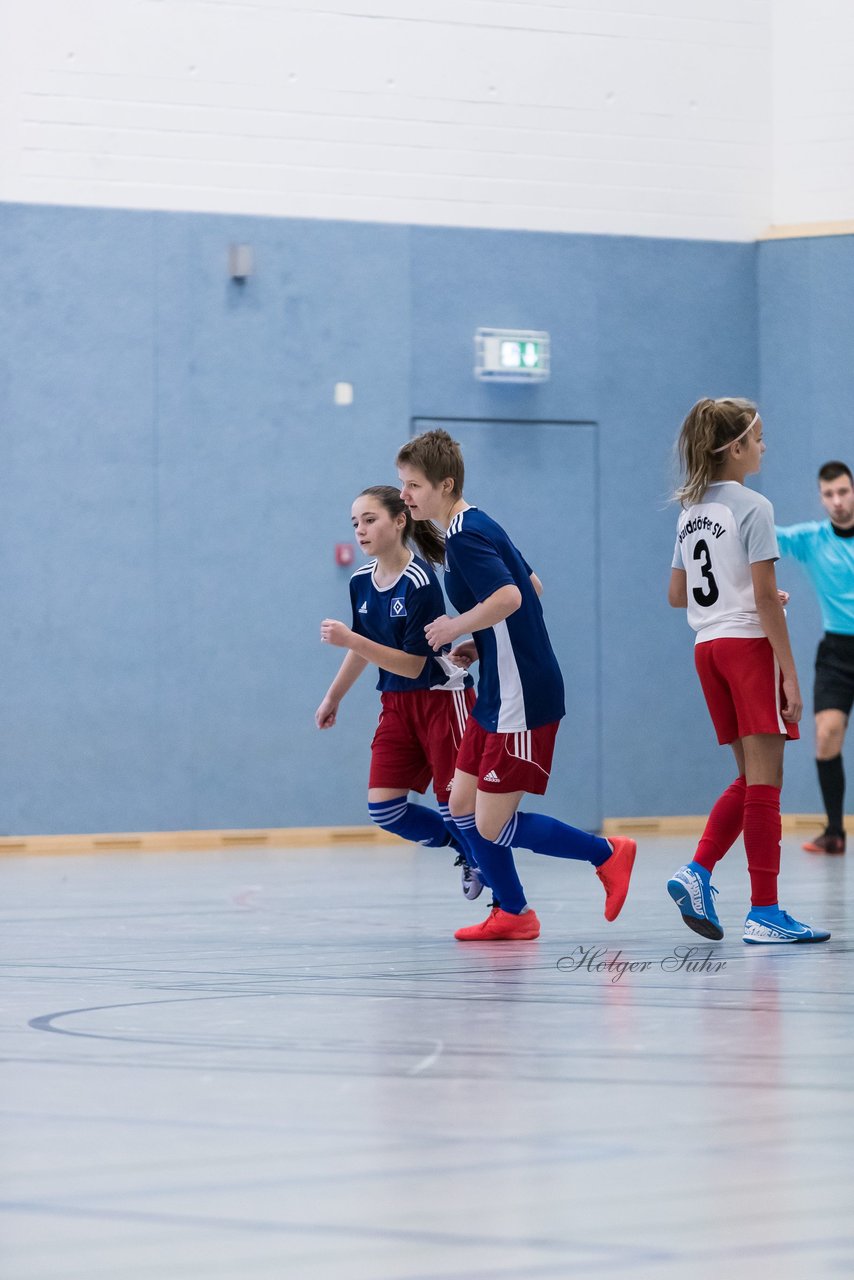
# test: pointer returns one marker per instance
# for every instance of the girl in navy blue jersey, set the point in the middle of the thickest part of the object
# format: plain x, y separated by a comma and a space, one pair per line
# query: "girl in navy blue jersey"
425, 696
509, 740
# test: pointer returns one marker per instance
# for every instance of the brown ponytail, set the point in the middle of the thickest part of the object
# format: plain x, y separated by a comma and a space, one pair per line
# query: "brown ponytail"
426, 538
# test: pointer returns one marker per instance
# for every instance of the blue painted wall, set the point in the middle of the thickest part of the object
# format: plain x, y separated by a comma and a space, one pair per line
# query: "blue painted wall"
174, 475
640, 329
806, 327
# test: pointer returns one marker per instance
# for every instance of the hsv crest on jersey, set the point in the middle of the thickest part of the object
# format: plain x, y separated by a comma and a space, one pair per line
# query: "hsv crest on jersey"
396, 615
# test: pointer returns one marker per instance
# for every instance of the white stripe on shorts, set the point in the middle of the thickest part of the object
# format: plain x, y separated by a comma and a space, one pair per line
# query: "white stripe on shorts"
781, 723
461, 710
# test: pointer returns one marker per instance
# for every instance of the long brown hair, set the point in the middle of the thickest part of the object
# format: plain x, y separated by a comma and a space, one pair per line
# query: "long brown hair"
709, 427
422, 533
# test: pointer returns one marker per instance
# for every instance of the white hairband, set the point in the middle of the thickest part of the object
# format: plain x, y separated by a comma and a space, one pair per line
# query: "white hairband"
750, 424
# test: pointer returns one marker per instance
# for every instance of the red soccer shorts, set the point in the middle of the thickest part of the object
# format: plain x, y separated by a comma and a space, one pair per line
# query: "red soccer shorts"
417, 738
743, 688
507, 762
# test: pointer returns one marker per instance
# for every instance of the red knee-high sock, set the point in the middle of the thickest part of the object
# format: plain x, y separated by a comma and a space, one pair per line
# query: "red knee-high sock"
723, 826
762, 832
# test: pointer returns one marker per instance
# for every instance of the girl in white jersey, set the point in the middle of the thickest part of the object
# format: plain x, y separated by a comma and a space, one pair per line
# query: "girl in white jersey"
723, 573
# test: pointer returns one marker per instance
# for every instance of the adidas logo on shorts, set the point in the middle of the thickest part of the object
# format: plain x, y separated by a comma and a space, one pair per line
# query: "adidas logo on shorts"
492, 776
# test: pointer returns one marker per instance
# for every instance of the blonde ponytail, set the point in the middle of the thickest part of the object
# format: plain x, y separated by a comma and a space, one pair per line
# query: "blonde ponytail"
711, 425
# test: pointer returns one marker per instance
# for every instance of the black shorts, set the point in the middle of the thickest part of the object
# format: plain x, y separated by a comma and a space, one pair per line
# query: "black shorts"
834, 674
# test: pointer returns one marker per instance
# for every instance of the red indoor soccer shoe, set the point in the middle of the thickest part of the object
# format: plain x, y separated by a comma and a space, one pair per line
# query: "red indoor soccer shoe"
616, 873
827, 842
502, 926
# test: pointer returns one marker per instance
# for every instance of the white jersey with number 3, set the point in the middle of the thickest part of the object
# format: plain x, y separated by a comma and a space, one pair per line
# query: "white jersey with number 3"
718, 539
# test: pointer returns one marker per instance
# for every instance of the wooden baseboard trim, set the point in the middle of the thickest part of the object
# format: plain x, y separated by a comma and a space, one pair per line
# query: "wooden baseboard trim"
184, 841
301, 837
683, 825
693, 824
806, 230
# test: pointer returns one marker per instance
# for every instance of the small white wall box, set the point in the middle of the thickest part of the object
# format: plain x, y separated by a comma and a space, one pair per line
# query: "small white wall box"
511, 355
241, 261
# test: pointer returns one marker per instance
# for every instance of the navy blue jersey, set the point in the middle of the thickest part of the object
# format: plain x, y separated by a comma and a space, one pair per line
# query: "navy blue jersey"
519, 683
397, 615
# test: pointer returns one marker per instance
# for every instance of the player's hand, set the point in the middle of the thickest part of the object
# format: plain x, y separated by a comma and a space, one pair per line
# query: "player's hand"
793, 705
464, 654
783, 597
441, 631
334, 632
326, 714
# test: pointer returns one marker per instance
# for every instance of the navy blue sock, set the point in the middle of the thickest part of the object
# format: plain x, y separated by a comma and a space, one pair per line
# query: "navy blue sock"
411, 821
469, 854
538, 832
456, 839
496, 866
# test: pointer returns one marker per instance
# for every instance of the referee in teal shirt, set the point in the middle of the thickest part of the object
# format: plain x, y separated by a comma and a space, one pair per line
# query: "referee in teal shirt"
826, 550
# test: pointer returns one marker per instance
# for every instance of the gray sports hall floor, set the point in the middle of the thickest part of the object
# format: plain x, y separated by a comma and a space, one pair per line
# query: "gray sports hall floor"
280, 1064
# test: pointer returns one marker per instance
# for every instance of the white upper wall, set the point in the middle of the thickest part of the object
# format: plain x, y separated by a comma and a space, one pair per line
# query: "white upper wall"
813, 101
649, 117
698, 118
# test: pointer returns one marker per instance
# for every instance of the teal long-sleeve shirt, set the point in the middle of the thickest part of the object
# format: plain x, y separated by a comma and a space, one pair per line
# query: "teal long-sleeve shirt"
828, 558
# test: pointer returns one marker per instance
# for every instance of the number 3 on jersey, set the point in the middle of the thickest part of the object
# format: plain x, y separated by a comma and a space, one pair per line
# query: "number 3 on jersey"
706, 597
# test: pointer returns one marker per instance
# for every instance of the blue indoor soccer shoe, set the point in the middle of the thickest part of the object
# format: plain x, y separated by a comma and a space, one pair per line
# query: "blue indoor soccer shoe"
691, 890
770, 925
